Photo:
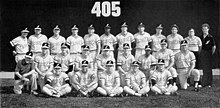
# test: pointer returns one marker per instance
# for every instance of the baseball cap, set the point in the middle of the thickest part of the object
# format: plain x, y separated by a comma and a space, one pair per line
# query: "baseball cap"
25, 31
74, 27
29, 54
159, 27
85, 47
56, 28
91, 27
106, 47
135, 63
45, 45
163, 41
37, 28
141, 25
126, 46
205, 25
57, 65
174, 25
107, 26
147, 47
160, 62
124, 25
183, 42
65, 45
85, 63
109, 63
153, 64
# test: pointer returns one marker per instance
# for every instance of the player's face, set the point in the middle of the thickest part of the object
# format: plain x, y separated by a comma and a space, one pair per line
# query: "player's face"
75, 32
126, 51
45, 51
134, 68
174, 30
91, 31
58, 71
124, 29
205, 30
37, 31
85, 52
110, 68
84, 69
147, 52
191, 33
184, 47
106, 52
28, 60
24, 34
56, 32
163, 46
160, 67
159, 31
107, 31
64, 51
141, 29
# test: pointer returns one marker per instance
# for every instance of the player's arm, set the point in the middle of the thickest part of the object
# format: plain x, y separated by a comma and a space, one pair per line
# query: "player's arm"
75, 80
103, 81
117, 83
100, 66
128, 81
36, 67
94, 80
30, 72
17, 69
191, 67
50, 67
171, 62
67, 81
143, 82
121, 70
47, 84
98, 43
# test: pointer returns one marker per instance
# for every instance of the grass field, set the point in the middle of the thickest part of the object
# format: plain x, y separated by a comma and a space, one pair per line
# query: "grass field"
206, 97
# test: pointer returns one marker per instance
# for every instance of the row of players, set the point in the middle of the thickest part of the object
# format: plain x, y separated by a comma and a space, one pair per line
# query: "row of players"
133, 75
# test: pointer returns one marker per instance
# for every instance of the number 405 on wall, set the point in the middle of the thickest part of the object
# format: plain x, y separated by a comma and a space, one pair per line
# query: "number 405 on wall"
106, 9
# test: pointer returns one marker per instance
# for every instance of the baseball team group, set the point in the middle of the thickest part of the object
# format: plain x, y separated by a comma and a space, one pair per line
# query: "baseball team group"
105, 65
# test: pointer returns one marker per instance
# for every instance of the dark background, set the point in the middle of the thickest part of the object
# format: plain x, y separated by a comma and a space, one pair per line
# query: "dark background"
19, 14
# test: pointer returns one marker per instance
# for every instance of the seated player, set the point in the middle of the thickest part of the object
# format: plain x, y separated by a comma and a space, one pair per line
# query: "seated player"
110, 81
136, 82
24, 74
84, 81
57, 83
162, 80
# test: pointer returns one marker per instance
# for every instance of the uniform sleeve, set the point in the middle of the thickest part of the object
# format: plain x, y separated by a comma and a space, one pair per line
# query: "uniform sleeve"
169, 76
192, 57
154, 76
82, 41
18, 66
149, 37
63, 40
71, 61
119, 61
45, 38
14, 42
171, 53
199, 41
180, 37
153, 59
68, 40
65, 77
49, 78
132, 37
127, 77
114, 39
98, 39
29, 40
51, 60
142, 75
140, 59
132, 58
116, 74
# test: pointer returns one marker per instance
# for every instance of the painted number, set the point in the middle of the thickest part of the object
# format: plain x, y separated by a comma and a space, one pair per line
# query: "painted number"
106, 9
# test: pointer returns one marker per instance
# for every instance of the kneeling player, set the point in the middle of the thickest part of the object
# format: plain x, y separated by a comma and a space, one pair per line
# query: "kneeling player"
57, 84
84, 81
110, 81
136, 83
160, 78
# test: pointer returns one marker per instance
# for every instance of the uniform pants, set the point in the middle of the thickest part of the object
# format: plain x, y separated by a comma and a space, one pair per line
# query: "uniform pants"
138, 53
134, 90
61, 90
74, 55
117, 91
206, 67
157, 89
89, 89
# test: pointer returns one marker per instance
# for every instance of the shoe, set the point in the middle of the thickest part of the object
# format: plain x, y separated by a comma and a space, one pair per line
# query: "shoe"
188, 85
199, 86
167, 93
137, 94
209, 86
196, 89
34, 92
17, 91
111, 95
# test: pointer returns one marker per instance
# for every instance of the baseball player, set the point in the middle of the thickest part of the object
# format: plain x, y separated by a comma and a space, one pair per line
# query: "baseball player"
146, 60
55, 42
185, 64
108, 39
156, 38
43, 64
35, 41
66, 61
25, 74
85, 81
173, 40
57, 84
110, 81
168, 56
75, 41
93, 41
162, 80
124, 62
124, 37
142, 39
20, 45
136, 82
103, 58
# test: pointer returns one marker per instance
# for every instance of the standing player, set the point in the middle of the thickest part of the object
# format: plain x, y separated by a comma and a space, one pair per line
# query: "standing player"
55, 42
20, 45
84, 81
168, 56
110, 81
156, 38
124, 62
35, 41
185, 64
174, 39
162, 80
142, 39
43, 64
25, 74
146, 60
66, 61
124, 37
57, 84
93, 41
75, 41
136, 82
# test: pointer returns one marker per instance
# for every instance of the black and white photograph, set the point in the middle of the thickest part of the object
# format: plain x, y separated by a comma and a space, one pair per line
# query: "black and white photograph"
109, 53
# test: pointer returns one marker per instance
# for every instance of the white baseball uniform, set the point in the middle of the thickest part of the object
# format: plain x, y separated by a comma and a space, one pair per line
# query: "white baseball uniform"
55, 44
65, 61
156, 42
35, 43
109, 40
174, 42
75, 43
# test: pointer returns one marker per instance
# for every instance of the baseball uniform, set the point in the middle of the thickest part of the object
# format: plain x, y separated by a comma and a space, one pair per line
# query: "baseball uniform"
174, 42
108, 40
55, 44
64, 60
75, 43
156, 42
92, 42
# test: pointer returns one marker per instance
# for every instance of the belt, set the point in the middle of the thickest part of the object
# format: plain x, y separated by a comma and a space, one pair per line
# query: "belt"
75, 53
183, 68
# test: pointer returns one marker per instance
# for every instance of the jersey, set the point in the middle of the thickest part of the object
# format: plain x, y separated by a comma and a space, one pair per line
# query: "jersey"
110, 79
121, 39
75, 43
174, 41
161, 77
43, 62
22, 67
109, 40
57, 81
20, 44
80, 58
194, 43
36, 42
183, 60
92, 41
136, 78
65, 61
166, 55
103, 59
146, 61
55, 44
142, 40
85, 78
125, 62
156, 41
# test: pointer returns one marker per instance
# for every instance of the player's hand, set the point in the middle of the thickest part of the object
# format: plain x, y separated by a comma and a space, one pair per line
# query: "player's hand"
25, 79
14, 53
25, 75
